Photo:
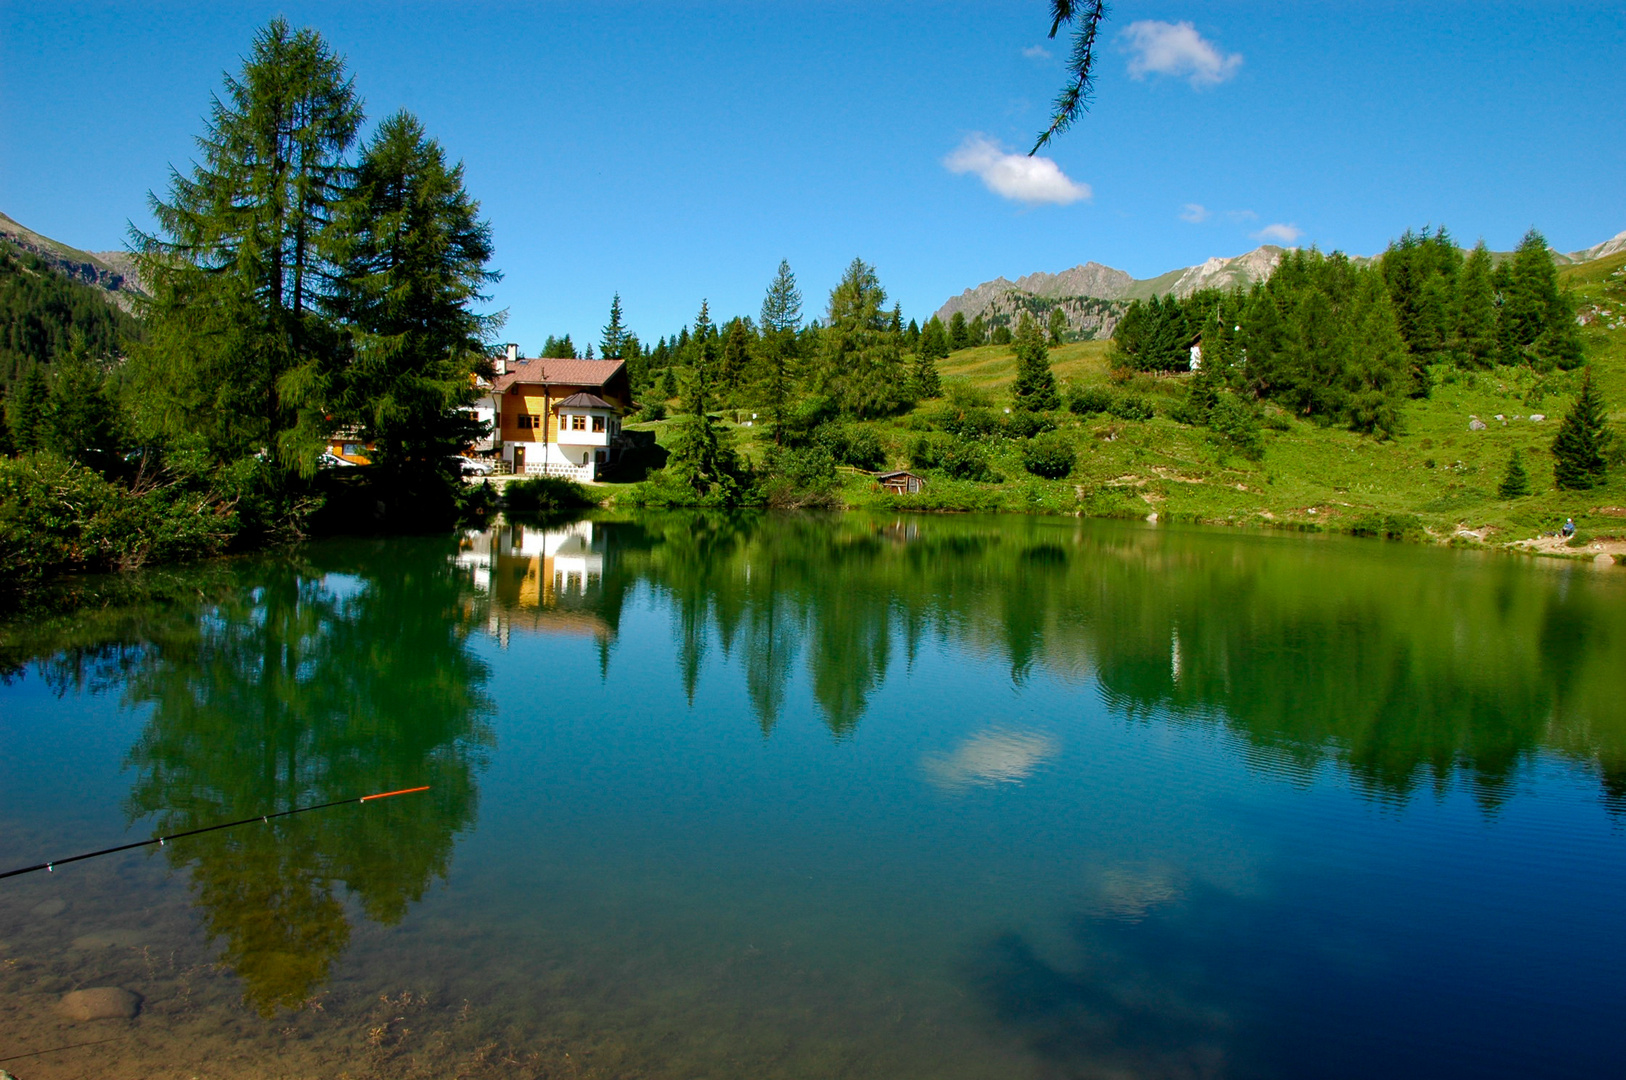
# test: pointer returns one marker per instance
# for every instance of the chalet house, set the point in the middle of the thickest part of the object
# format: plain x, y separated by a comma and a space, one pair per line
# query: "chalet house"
555, 417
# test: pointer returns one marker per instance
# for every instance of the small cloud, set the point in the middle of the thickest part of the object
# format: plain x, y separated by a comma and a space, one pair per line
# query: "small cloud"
989, 757
1196, 213
1024, 179
1036, 52
1160, 48
1279, 234
1239, 216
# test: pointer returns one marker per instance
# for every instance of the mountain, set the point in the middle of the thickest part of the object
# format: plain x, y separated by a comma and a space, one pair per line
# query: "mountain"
1093, 297
111, 271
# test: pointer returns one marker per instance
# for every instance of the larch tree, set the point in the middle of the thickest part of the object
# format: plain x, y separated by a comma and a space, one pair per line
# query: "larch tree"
245, 252
861, 368
781, 318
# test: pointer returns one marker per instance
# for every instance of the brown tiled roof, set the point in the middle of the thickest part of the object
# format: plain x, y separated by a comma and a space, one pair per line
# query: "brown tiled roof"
584, 401
556, 372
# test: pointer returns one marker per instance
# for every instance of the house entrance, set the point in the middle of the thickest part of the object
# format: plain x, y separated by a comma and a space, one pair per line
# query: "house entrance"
519, 460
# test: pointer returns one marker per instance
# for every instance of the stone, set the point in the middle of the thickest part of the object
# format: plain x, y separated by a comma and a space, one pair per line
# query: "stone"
47, 908
108, 939
1604, 559
100, 1003
1502, 418
1536, 418
1476, 424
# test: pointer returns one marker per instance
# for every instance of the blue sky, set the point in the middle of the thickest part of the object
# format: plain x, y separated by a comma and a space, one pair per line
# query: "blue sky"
678, 151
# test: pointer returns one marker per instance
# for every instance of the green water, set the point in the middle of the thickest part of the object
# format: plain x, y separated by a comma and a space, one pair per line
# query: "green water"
813, 796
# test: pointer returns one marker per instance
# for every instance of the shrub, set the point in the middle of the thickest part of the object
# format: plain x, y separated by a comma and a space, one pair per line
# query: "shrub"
1131, 407
1022, 424
1238, 424
1516, 481
1089, 400
652, 410
1051, 456
804, 477
974, 423
546, 495
859, 447
967, 461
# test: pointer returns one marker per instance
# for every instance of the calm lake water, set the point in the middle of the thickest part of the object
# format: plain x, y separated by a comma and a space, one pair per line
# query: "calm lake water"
808, 796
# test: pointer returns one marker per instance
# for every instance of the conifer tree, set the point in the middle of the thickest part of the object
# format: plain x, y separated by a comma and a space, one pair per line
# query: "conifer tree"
612, 344
1058, 326
7, 447
932, 348
412, 263
861, 366
80, 420
29, 401
1475, 338
781, 317
559, 348
1035, 386
911, 336
958, 332
1583, 441
736, 358
1516, 480
976, 332
1536, 323
700, 455
703, 376
246, 249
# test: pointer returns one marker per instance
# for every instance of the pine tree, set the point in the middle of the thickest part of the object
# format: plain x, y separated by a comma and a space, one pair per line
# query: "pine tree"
1058, 326
29, 401
1475, 338
976, 332
1035, 386
861, 364
702, 380
736, 357
959, 335
241, 269
932, 348
781, 318
1516, 481
1536, 323
80, 420
613, 343
911, 336
1583, 441
7, 447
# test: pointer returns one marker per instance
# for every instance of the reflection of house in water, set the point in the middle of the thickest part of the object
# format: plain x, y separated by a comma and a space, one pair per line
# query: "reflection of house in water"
542, 580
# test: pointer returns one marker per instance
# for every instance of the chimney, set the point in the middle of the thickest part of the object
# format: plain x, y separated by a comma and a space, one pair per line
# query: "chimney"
509, 356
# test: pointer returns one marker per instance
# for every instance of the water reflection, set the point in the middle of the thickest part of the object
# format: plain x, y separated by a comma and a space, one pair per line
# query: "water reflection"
1405, 667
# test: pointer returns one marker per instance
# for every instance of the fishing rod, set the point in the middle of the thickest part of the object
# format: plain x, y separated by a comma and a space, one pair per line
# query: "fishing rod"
161, 840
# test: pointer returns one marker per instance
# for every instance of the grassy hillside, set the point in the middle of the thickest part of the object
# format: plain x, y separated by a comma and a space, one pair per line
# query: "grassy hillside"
1437, 480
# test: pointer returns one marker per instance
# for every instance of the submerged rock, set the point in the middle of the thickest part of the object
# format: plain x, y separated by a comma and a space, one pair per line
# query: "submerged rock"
100, 1003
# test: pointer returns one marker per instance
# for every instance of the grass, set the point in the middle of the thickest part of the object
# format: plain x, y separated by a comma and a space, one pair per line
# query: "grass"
1437, 480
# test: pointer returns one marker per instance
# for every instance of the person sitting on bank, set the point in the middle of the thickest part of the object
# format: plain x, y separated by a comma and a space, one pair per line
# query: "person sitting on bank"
1569, 528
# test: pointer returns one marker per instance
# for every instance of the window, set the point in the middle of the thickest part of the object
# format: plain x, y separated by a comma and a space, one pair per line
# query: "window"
578, 423
598, 423
523, 422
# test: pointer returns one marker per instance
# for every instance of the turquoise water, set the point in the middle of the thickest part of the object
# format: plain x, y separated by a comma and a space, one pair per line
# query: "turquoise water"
827, 796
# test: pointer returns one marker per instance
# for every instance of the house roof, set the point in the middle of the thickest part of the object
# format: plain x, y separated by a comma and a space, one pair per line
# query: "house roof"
584, 401
557, 372
894, 475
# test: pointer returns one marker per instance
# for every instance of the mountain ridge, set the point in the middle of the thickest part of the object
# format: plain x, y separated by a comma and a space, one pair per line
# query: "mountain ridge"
113, 272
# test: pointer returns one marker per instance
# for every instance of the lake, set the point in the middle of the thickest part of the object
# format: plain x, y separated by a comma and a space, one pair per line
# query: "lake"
824, 796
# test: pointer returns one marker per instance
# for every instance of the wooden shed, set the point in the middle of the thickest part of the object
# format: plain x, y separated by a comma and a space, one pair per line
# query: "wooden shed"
902, 482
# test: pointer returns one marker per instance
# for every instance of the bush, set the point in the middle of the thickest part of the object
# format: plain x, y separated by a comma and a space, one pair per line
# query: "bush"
1089, 400
546, 495
967, 461
926, 452
1051, 456
799, 478
973, 423
1131, 407
1238, 424
1022, 424
859, 447
652, 410
963, 395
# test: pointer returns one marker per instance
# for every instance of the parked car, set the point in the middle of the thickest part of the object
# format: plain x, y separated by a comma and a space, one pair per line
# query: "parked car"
329, 461
477, 466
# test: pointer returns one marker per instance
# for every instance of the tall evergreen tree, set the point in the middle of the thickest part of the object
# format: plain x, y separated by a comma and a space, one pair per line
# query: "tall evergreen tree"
1058, 326
1035, 386
781, 317
1580, 449
246, 251
703, 374
736, 358
911, 336
1475, 337
7, 447
861, 366
413, 263
81, 420
958, 331
559, 348
1536, 323
976, 332
932, 348
30, 398
700, 457
613, 343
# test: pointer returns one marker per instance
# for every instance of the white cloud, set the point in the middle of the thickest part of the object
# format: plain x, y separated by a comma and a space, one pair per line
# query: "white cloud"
1030, 180
1279, 233
1160, 48
1196, 213
1036, 52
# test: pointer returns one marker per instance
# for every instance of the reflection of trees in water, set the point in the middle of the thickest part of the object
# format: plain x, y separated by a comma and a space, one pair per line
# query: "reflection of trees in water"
1403, 665
290, 693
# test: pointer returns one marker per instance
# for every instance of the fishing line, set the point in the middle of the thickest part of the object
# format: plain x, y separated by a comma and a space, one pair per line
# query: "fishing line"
161, 840
59, 1049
